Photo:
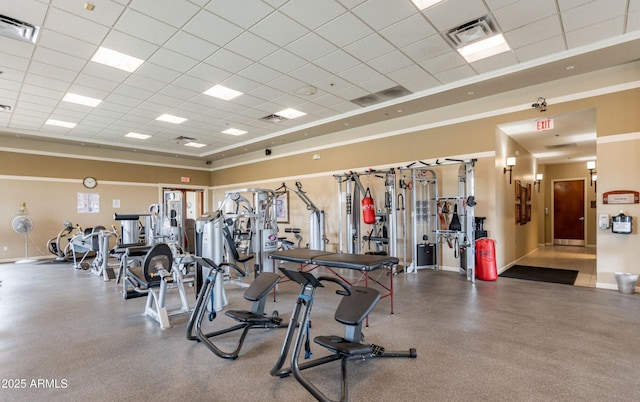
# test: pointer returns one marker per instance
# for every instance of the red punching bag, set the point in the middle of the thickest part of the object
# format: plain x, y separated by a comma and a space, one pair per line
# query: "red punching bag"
368, 210
486, 260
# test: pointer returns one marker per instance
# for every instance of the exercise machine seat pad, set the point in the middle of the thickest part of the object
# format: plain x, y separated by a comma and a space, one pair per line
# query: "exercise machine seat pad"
137, 274
247, 316
342, 346
353, 309
261, 285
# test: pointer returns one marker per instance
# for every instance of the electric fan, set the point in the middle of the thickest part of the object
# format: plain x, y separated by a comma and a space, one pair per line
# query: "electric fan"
23, 225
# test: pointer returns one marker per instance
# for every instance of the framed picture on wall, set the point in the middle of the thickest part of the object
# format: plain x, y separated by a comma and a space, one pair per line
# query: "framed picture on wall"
517, 187
517, 213
528, 213
282, 207
529, 192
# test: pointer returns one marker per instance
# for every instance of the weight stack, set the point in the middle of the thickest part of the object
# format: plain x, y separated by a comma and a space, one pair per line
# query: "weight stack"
426, 254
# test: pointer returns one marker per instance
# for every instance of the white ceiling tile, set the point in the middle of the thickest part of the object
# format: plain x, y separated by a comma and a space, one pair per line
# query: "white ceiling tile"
193, 83
595, 32
96, 83
344, 30
74, 26
61, 60
106, 13
209, 73
114, 106
567, 4
312, 13
592, 13
377, 84
241, 84
190, 45
345, 107
14, 62
29, 11
634, 5
87, 91
178, 92
140, 81
131, 92
66, 44
337, 61
212, 28
251, 46
359, 73
38, 107
108, 73
523, 13
455, 74
15, 47
279, 29
144, 27
228, 60
259, 73
427, 48
310, 73
540, 48
391, 61
168, 11
528, 34
369, 47
452, 13
496, 62
172, 60
244, 13
408, 74
166, 100
266, 92
633, 21
409, 30
421, 84
311, 47
48, 71
442, 63
283, 61
382, 13
336, 85
156, 72
284, 84
129, 45
496, 4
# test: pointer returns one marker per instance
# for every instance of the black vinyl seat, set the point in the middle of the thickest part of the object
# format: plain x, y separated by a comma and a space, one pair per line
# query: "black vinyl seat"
247, 319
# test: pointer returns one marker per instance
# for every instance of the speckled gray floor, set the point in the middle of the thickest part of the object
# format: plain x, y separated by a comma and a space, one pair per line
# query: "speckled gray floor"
509, 340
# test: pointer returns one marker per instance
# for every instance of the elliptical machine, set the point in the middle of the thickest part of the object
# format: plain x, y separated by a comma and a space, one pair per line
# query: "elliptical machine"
54, 245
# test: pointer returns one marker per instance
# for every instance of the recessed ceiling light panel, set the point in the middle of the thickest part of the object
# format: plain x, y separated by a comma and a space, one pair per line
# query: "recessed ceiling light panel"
137, 136
116, 59
290, 113
234, 131
81, 100
485, 48
171, 119
195, 145
222, 92
60, 123
422, 4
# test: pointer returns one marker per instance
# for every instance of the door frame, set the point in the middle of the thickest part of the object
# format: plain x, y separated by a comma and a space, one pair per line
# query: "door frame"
584, 211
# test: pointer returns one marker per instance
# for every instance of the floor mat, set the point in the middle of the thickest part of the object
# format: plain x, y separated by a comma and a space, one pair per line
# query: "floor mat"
541, 274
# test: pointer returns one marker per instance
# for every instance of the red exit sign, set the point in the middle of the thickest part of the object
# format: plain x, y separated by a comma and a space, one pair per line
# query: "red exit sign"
546, 124
185, 179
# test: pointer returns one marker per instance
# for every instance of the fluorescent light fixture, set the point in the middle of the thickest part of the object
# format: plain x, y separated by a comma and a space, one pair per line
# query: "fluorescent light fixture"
290, 113
484, 48
221, 92
171, 119
60, 123
115, 59
138, 136
234, 131
195, 144
81, 100
422, 4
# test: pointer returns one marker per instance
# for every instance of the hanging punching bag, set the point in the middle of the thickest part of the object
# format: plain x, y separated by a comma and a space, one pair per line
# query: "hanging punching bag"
368, 210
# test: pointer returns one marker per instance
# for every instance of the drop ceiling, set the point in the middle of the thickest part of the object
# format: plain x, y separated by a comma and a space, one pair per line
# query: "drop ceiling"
313, 56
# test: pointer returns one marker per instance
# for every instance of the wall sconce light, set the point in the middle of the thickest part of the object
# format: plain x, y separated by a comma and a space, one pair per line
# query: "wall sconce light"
538, 180
511, 162
591, 165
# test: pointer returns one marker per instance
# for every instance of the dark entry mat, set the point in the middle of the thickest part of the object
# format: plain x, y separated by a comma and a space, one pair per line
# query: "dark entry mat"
540, 274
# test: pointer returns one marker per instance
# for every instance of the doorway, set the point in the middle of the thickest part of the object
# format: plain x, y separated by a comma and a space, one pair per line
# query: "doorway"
569, 212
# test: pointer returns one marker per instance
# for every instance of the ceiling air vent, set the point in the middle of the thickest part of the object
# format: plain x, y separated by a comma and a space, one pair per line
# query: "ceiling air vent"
567, 145
381, 96
16, 29
273, 118
470, 32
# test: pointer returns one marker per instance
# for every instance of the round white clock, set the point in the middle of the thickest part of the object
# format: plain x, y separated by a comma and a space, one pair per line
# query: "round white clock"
89, 182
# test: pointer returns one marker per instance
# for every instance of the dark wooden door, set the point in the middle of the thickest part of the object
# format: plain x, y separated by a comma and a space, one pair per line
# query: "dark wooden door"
568, 212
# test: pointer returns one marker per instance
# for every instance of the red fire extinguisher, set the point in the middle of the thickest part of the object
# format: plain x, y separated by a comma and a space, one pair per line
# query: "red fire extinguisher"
368, 210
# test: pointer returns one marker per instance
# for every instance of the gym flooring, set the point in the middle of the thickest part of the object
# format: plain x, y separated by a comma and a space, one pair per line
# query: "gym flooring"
65, 335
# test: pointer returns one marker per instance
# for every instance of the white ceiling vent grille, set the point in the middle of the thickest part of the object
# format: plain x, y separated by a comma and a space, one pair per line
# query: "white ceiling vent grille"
381, 96
273, 118
16, 29
471, 32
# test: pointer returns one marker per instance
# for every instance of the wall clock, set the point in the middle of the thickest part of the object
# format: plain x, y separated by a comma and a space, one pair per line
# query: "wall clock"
89, 182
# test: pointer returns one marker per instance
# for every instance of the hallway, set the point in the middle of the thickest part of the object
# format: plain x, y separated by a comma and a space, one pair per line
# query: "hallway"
582, 259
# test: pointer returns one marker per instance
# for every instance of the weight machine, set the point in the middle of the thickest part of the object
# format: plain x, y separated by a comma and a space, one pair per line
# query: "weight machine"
383, 231
317, 237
